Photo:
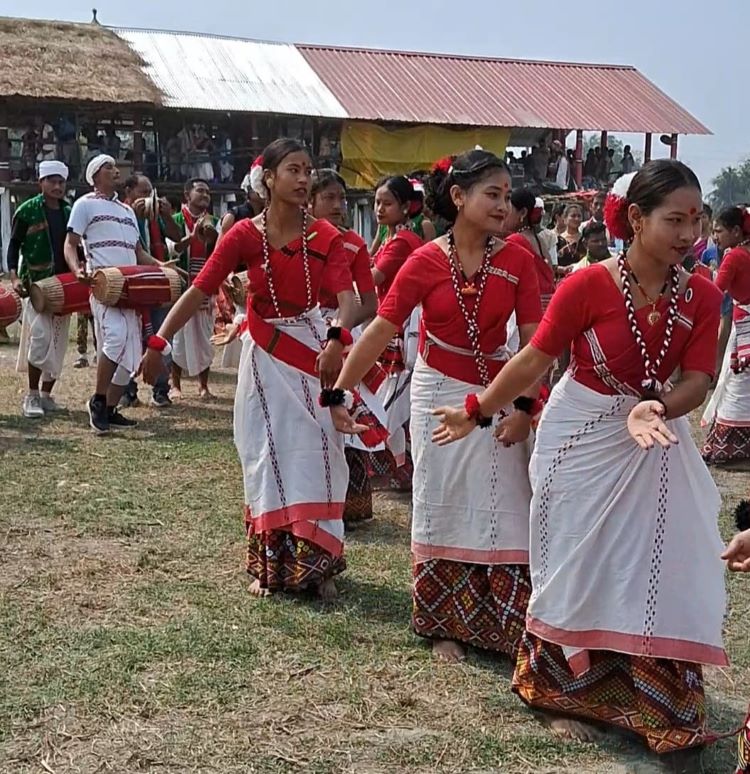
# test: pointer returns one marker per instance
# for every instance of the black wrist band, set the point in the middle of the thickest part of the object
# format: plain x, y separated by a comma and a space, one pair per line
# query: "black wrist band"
525, 404
652, 396
484, 421
331, 397
334, 333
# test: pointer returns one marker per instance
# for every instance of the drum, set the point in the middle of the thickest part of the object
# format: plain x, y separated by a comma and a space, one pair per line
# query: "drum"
10, 306
61, 294
239, 284
136, 287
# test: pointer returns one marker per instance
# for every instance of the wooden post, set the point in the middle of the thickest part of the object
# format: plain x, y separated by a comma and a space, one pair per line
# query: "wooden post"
137, 143
673, 147
647, 148
4, 149
578, 172
604, 146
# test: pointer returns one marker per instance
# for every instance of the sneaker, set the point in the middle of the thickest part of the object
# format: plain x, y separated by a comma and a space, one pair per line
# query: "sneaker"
98, 416
160, 400
32, 407
81, 362
49, 405
117, 421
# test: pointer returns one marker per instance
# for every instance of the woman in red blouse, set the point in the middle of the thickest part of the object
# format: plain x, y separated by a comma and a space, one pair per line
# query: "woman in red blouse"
328, 202
628, 596
470, 502
294, 470
728, 412
569, 247
393, 199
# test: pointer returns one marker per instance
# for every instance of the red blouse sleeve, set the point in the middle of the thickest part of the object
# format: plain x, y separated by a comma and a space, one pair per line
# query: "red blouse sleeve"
567, 315
392, 256
728, 270
223, 260
528, 297
409, 288
337, 276
700, 352
361, 272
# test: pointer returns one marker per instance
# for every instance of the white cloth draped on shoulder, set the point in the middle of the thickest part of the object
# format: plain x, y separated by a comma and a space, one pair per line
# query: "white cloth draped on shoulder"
294, 470
471, 498
192, 349
625, 547
43, 342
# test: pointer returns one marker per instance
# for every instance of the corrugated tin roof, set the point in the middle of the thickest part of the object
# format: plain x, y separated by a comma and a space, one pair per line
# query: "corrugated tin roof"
204, 72
445, 89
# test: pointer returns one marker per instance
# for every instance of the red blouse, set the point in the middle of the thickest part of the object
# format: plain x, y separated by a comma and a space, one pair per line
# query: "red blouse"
359, 265
734, 274
426, 279
392, 256
545, 273
243, 244
588, 310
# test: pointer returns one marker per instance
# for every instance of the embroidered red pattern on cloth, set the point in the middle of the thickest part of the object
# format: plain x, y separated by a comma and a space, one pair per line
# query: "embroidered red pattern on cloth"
725, 443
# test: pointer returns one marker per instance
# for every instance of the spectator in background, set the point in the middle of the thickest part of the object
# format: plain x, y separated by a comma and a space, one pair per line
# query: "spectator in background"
594, 242
589, 169
597, 209
111, 143
705, 239
628, 162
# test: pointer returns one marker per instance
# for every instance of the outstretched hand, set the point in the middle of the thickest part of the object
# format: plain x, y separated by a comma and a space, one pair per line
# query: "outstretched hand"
344, 422
152, 366
647, 426
455, 424
737, 553
513, 428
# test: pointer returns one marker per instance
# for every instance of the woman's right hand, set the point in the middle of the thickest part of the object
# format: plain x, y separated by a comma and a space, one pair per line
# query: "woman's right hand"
344, 422
455, 424
152, 366
737, 554
647, 427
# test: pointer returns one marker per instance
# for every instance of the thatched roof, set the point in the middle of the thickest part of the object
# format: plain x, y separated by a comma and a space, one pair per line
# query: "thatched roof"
65, 61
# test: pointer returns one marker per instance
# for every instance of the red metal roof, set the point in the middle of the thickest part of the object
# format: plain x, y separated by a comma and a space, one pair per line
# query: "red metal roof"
445, 89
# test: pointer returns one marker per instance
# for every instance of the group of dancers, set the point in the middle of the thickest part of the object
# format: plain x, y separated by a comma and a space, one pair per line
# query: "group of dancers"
576, 535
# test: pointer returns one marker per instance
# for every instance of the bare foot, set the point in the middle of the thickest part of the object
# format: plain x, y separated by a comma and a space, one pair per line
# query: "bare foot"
566, 728
204, 394
327, 590
449, 650
175, 393
257, 591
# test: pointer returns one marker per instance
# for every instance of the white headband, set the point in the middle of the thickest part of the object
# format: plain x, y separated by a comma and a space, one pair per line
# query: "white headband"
50, 168
96, 164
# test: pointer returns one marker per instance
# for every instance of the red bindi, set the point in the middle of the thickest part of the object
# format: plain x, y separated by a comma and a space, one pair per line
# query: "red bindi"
693, 210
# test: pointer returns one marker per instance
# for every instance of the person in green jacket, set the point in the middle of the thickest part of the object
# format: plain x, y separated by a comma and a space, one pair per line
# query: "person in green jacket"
35, 253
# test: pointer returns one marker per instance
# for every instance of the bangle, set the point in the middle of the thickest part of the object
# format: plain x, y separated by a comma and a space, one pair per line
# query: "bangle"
159, 343
530, 406
471, 407
336, 397
337, 333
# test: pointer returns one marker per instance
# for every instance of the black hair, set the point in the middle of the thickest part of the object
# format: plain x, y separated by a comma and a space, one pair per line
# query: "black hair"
600, 194
192, 182
731, 217
466, 170
707, 210
523, 199
276, 152
400, 186
656, 180
558, 211
572, 206
322, 178
131, 181
594, 227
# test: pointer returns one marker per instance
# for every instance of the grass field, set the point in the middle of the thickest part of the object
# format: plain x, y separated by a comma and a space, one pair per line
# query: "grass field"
128, 642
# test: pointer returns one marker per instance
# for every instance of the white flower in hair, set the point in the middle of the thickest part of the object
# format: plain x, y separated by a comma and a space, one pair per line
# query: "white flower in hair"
622, 185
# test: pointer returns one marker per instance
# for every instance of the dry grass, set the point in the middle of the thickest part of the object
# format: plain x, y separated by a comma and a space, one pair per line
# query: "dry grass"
66, 61
129, 643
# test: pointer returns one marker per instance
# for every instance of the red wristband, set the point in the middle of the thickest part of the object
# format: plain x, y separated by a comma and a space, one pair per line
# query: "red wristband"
157, 342
471, 407
342, 335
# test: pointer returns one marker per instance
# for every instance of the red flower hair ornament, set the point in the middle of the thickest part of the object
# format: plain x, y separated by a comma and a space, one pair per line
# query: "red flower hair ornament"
443, 165
616, 208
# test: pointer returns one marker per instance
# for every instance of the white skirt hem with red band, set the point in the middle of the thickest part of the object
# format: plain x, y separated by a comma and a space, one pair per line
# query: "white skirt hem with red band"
43, 342
625, 546
192, 349
294, 470
471, 498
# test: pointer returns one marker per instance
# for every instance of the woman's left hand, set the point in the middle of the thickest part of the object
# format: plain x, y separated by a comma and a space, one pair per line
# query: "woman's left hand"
455, 423
513, 429
328, 364
737, 553
647, 426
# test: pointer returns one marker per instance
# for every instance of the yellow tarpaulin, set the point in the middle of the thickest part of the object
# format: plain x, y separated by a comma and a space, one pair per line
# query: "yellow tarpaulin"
369, 151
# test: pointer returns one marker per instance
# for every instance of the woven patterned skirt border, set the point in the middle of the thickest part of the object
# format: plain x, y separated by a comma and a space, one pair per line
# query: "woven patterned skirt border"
726, 443
660, 700
358, 506
477, 604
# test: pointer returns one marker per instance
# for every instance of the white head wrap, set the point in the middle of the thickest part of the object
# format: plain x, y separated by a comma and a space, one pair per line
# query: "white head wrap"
49, 168
96, 164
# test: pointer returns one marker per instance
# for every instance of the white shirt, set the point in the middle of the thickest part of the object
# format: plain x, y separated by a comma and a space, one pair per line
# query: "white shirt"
108, 228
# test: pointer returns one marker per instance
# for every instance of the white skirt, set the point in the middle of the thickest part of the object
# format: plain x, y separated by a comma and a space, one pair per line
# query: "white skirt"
625, 547
43, 342
471, 498
192, 349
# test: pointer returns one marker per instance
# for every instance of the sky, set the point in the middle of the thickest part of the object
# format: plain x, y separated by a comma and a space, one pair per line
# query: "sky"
694, 51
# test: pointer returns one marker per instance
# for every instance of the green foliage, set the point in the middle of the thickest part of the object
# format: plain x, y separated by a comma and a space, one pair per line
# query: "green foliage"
731, 186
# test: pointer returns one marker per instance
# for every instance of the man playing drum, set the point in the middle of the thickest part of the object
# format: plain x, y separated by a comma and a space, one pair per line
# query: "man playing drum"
108, 230
38, 237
